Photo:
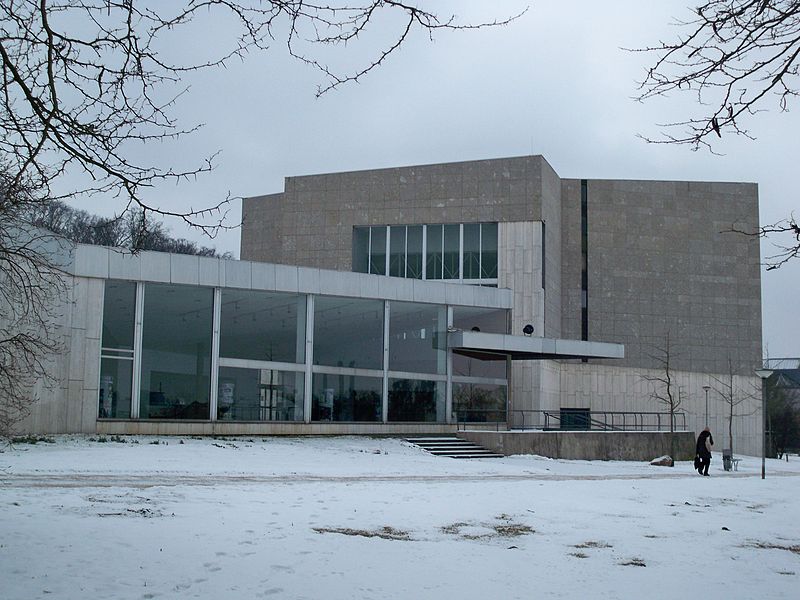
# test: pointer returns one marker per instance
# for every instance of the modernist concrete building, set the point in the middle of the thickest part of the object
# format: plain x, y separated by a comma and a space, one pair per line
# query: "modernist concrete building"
397, 301
173, 344
644, 264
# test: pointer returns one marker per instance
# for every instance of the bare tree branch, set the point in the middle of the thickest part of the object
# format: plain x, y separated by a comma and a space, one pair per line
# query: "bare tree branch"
785, 251
738, 57
86, 82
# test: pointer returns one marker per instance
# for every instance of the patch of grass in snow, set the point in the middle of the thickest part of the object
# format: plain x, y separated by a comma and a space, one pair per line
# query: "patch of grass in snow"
485, 531
579, 555
634, 562
769, 546
32, 439
386, 532
453, 528
593, 544
513, 530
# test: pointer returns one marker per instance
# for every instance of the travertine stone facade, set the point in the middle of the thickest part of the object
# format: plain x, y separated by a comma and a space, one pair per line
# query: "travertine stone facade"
311, 222
659, 256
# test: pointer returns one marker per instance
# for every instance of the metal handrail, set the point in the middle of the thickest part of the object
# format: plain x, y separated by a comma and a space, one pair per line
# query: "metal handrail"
608, 420
462, 419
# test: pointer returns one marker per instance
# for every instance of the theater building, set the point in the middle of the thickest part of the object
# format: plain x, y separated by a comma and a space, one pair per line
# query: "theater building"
407, 300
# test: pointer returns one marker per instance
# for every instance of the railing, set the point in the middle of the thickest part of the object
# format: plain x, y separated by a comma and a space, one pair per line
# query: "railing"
481, 416
605, 420
596, 420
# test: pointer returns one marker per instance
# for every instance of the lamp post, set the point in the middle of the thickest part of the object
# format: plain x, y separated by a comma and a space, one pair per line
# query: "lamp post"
764, 375
706, 388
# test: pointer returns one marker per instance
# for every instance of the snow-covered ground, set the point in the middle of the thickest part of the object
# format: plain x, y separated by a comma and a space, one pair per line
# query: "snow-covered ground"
350, 517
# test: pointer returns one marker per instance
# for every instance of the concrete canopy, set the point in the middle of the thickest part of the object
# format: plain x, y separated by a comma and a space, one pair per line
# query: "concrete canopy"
496, 346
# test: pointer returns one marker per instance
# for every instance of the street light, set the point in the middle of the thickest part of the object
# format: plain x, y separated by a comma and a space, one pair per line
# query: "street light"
706, 388
764, 375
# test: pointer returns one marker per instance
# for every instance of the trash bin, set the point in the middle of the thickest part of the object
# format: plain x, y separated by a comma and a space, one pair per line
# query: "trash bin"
727, 460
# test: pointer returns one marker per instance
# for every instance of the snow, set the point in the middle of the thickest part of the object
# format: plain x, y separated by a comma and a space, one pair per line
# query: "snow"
357, 517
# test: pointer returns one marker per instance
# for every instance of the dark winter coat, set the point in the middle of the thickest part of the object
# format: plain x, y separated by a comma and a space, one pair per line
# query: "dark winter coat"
703, 446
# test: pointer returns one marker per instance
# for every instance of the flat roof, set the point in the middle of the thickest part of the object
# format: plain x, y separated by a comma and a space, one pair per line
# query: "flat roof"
103, 262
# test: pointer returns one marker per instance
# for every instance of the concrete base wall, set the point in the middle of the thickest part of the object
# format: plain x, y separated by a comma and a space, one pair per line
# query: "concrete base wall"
587, 445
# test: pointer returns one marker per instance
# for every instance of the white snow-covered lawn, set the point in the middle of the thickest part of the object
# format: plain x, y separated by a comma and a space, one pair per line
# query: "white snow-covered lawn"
350, 517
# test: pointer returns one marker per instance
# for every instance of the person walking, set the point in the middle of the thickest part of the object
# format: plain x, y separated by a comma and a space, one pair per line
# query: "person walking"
703, 457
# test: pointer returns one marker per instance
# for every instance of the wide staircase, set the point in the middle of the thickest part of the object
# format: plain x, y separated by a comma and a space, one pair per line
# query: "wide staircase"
452, 447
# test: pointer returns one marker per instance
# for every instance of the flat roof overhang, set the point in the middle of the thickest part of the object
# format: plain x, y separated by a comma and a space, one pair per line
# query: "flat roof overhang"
497, 346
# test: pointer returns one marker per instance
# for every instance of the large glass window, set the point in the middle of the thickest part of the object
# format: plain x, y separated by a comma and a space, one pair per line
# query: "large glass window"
451, 258
361, 249
397, 252
414, 252
259, 395
346, 398
434, 251
348, 332
479, 402
377, 251
262, 326
176, 352
417, 338
487, 320
489, 250
116, 363
416, 400
451, 251
472, 251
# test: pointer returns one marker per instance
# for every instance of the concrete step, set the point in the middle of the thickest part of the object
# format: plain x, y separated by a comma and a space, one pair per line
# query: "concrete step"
452, 447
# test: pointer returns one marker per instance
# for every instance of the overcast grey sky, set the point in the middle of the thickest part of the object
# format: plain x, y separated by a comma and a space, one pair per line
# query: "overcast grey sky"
556, 82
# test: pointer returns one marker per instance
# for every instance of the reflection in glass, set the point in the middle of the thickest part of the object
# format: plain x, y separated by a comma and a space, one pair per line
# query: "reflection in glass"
346, 398
451, 258
487, 320
119, 306
361, 249
377, 251
116, 364
397, 251
116, 376
176, 352
434, 252
415, 400
417, 340
479, 402
472, 251
489, 250
259, 395
414, 252
265, 326
348, 332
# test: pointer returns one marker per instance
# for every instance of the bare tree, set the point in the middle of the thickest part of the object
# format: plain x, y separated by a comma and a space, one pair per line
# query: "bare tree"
664, 386
737, 58
84, 82
31, 285
736, 399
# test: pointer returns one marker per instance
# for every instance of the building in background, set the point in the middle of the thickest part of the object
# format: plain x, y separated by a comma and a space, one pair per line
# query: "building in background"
634, 263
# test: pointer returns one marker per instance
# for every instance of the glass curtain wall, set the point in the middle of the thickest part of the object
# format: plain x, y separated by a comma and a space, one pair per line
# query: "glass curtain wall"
480, 386
348, 359
456, 252
261, 356
116, 354
176, 352
263, 363
417, 362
